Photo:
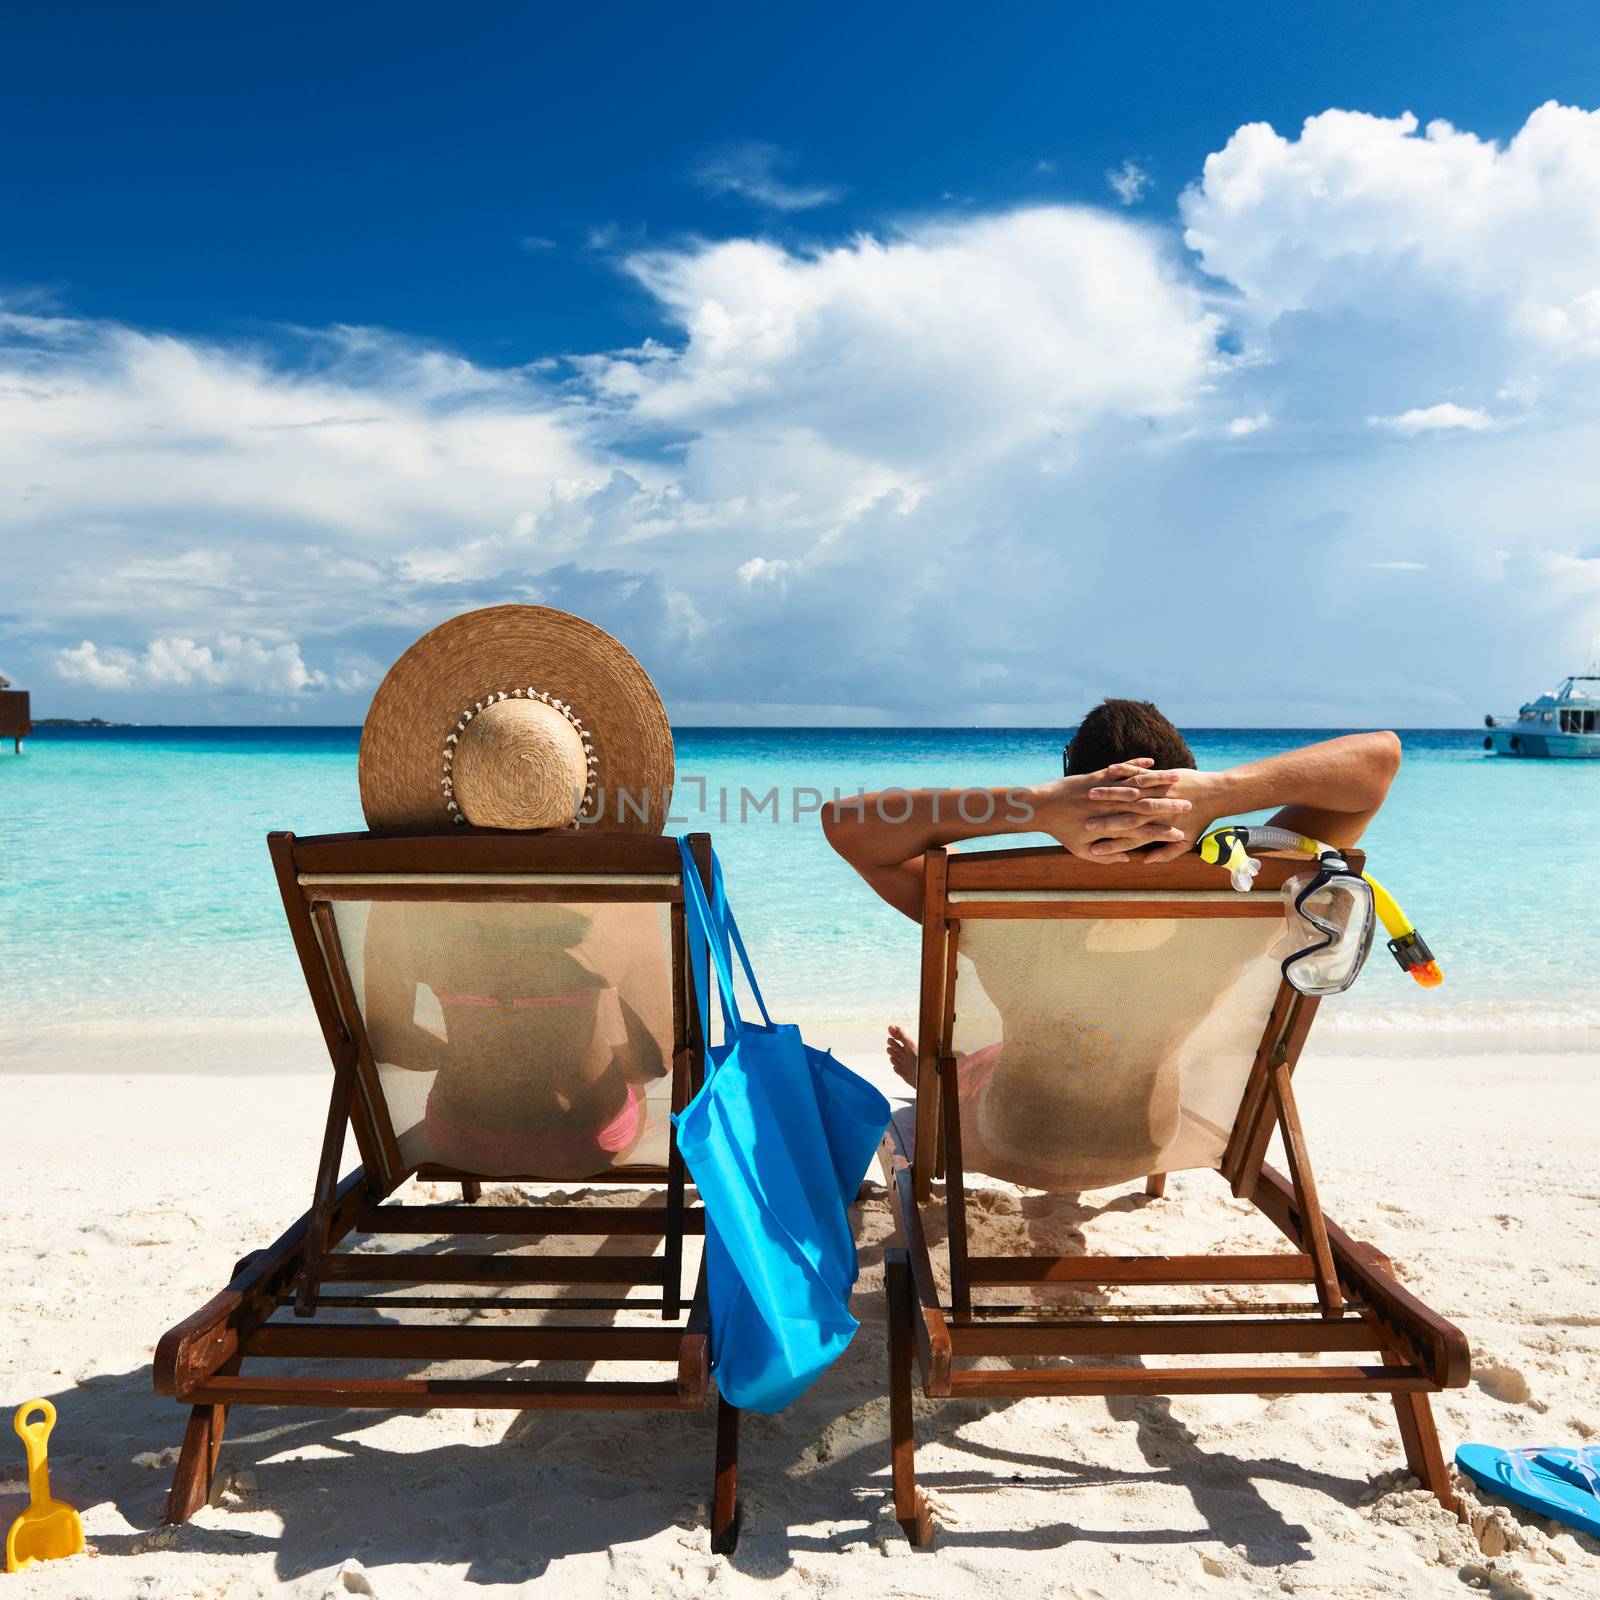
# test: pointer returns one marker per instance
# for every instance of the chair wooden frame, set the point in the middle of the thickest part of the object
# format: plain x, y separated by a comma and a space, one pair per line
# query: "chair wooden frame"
1357, 1306
201, 1361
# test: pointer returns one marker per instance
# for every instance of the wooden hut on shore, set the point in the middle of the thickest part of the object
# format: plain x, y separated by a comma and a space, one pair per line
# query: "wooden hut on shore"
14, 723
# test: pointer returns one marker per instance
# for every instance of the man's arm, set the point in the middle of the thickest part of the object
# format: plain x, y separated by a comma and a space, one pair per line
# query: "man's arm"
1330, 791
883, 836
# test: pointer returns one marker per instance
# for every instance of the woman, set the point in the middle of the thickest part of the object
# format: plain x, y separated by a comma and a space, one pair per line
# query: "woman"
544, 1025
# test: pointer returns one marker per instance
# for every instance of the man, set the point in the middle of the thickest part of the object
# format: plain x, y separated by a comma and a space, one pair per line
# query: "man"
1131, 794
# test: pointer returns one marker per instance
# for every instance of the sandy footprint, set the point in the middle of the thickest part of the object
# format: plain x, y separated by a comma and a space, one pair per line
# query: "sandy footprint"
1502, 1382
351, 1578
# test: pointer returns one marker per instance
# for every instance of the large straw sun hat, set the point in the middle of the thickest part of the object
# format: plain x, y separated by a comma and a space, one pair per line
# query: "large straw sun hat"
517, 717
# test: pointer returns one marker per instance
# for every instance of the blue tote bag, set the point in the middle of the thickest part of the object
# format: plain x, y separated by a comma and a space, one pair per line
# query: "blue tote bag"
777, 1142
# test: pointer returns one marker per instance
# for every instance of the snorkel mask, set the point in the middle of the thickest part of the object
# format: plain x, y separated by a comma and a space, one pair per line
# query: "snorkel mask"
1331, 908
1334, 909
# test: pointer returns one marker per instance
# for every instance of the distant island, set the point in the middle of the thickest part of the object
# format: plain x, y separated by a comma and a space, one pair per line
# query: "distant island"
77, 722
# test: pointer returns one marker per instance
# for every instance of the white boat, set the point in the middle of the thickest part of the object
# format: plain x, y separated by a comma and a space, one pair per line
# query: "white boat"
1562, 725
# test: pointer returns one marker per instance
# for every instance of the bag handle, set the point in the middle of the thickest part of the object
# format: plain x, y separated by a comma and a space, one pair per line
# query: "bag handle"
729, 930
711, 925
703, 935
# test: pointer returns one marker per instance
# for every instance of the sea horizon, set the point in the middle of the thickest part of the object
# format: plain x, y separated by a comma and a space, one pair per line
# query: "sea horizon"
57, 725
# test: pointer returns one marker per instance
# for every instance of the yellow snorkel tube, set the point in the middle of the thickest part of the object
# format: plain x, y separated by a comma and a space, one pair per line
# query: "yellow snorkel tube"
1229, 847
1406, 945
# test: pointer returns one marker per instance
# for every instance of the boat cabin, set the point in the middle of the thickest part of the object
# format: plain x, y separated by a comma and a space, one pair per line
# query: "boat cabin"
1564, 724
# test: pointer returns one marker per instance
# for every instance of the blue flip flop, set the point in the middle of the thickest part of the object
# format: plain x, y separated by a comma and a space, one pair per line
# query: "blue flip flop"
1564, 1484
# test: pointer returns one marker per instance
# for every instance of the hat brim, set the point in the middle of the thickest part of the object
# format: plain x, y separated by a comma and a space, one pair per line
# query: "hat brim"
462, 662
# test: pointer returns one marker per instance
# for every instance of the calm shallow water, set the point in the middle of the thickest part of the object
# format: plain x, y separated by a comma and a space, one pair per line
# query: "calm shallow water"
134, 879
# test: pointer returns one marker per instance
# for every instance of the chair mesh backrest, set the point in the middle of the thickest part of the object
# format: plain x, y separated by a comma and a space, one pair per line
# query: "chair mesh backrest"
1097, 1050
518, 1038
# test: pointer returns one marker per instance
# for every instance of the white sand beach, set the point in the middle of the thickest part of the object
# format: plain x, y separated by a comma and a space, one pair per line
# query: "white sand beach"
158, 1157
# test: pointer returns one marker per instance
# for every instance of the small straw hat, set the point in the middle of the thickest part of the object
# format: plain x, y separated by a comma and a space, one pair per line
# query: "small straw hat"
517, 717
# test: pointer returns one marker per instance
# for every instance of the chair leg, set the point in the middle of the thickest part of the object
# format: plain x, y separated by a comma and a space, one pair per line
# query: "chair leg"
1423, 1455
471, 1190
197, 1461
726, 1512
1156, 1184
910, 1504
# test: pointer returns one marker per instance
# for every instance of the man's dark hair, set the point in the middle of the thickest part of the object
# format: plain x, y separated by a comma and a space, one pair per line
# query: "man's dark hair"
1120, 730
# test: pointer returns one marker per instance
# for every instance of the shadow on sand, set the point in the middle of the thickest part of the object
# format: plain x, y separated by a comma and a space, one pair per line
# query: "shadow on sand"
549, 1485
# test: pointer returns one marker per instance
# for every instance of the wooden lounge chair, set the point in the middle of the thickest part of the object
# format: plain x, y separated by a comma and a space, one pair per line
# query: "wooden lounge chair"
305, 1300
1092, 962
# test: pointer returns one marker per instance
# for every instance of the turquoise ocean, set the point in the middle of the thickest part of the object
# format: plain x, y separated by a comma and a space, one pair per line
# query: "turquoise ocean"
135, 884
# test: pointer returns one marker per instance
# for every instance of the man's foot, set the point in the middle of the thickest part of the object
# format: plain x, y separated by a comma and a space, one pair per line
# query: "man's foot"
902, 1050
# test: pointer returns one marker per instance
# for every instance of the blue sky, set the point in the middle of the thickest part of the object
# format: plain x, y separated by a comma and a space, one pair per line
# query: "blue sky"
213, 169
913, 360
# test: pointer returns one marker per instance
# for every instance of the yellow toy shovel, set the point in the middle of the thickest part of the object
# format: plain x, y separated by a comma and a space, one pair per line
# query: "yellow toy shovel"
48, 1529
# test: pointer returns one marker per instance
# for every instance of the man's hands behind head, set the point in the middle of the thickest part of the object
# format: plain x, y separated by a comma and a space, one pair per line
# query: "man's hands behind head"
1129, 806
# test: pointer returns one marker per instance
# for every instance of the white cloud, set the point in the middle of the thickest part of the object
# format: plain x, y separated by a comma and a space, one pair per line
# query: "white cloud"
1358, 201
100, 424
836, 410
1130, 182
980, 468
1442, 418
752, 172
230, 664
952, 340
87, 663
758, 570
